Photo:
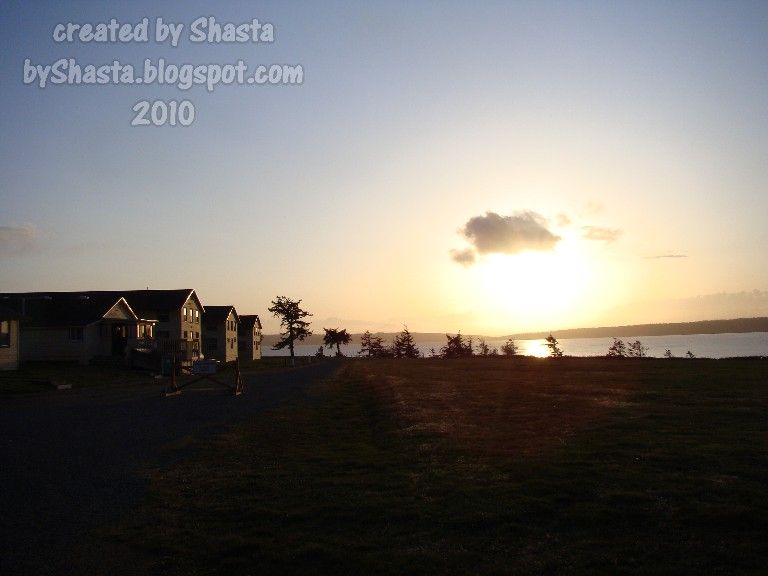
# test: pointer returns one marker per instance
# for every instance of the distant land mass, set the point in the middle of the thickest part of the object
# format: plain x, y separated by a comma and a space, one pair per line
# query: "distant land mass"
736, 325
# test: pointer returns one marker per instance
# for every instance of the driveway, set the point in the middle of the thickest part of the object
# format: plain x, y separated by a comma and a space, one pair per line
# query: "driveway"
70, 460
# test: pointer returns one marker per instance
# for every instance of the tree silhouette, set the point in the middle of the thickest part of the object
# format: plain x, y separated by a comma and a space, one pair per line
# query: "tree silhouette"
404, 346
637, 350
509, 348
668, 353
554, 347
618, 349
292, 321
482, 348
335, 337
371, 346
456, 347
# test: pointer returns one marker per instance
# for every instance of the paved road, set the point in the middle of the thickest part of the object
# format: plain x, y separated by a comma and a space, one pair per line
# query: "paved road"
70, 461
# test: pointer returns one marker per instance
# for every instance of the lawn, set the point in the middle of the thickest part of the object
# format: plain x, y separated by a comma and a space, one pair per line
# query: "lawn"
493, 466
37, 377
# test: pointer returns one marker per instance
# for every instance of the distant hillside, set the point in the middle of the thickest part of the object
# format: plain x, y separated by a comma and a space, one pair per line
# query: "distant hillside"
736, 325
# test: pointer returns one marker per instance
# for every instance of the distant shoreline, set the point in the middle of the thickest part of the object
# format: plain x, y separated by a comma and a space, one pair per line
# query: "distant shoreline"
733, 326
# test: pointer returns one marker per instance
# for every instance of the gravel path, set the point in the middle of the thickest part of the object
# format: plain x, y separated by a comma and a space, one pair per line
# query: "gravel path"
69, 461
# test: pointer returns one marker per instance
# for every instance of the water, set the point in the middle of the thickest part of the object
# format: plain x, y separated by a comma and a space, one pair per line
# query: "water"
702, 345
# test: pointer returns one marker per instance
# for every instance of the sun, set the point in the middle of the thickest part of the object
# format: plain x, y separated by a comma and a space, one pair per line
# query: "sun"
536, 289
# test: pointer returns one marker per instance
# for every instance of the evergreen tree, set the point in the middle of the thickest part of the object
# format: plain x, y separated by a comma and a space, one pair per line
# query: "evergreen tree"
470, 348
618, 349
404, 346
371, 346
456, 347
292, 321
554, 347
637, 350
510, 348
335, 337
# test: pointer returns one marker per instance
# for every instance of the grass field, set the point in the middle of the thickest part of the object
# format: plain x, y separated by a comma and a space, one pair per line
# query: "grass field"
493, 466
41, 377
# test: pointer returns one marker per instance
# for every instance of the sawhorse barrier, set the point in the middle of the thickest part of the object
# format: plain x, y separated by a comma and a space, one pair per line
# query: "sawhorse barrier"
236, 387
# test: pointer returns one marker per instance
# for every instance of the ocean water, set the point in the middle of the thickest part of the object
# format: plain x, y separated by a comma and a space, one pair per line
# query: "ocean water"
702, 345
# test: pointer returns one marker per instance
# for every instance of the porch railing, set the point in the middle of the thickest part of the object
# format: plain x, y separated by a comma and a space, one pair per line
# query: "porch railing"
181, 349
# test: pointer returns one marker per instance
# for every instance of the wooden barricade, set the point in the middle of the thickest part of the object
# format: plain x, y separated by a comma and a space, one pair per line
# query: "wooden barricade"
179, 381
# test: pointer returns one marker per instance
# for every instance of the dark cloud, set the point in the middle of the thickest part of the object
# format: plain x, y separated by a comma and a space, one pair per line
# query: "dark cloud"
465, 257
17, 240
498, 234
601, 234
656, 257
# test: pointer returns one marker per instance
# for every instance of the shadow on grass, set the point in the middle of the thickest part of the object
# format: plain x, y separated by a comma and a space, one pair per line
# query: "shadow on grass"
479, 466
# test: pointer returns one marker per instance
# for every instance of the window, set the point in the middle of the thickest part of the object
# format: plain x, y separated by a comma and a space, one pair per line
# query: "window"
197, 316
5, 334
185, 334
185, 313
76, 334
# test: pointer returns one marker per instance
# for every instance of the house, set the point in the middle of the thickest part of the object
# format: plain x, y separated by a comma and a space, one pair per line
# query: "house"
249, 337
9, 338
220, 333
73, 326
175, 314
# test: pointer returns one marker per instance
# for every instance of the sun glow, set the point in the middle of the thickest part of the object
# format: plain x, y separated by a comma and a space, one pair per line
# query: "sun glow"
537, 288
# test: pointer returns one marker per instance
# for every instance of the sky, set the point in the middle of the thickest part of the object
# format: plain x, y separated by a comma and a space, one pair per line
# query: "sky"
489, 167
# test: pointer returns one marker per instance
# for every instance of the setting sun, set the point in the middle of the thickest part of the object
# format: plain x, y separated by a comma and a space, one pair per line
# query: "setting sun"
536, 286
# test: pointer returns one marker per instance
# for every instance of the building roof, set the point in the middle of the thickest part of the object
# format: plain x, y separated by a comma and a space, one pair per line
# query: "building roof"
248, 321
147, 303
61, 308
218, 314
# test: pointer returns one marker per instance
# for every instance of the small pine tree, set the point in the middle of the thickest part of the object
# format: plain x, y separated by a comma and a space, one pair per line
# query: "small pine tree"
371, 346
668, 353
456, 347
404, 346
690, 354
637, 350
618, 349
469, 349
482, 348
510, 348
554, 347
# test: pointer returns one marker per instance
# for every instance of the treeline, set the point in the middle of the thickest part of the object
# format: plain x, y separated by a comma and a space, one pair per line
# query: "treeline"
293, 321
456, 346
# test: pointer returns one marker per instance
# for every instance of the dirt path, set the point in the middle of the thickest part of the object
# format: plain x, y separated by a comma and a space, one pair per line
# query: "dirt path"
69, 461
